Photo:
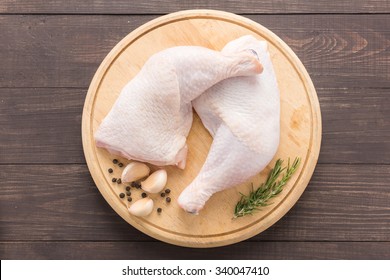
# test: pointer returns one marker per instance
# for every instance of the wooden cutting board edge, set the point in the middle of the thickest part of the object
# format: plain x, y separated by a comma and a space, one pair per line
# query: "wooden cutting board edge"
295, 192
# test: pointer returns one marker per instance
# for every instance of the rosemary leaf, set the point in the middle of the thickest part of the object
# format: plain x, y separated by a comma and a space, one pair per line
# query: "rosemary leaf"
259, 198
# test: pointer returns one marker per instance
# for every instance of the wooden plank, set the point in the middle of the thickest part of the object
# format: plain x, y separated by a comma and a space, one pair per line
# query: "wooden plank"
356, 126
65, 50
58, 51
60, 202
41, 125
159, 6
159, 251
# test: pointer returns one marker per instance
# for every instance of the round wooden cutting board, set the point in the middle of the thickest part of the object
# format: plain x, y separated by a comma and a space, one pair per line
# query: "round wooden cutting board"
214, 226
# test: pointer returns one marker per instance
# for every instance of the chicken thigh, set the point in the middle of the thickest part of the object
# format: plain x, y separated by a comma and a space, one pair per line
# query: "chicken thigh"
152, 117
243, 116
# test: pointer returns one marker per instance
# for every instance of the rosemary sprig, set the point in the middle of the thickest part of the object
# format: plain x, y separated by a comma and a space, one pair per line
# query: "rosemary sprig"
260, 197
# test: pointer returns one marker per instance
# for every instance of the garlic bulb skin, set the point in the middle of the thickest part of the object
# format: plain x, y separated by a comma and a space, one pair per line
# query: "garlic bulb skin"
142, 207
134, 171
155, 182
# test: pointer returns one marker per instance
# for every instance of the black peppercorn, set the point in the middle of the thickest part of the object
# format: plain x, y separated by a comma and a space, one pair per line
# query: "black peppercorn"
136, 185
168, 199
167, 191
162, 194
129, 199
113, 180
120, 164
159, 210
144, 195
110, 170
128, 188
115, 161
121, 195
119, 181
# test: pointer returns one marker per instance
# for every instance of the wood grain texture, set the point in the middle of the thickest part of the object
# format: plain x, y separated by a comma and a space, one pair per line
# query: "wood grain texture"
41, 125
160, 6
347, 57
61, 202
65, 50
356, 125
157, 250
58, 51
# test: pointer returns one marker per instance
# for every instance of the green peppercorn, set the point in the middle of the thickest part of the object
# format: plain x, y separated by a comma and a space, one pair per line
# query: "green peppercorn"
121, 195
115, 161
167, 191
113, 180
128, 193
162, 194
110, 170
168, 199
144, 195
159, 210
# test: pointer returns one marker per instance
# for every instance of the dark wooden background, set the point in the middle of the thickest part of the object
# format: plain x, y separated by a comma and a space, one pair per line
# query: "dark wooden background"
49, 205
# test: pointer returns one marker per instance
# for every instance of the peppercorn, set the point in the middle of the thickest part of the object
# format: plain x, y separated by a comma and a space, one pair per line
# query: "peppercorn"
121, 195
128, 193
167, 191
113, 180
128, 188
119, 181
120, 164
110, 170
144, 195
168, 199
159, 210
115, 161
136, 185
129, 199
162, 194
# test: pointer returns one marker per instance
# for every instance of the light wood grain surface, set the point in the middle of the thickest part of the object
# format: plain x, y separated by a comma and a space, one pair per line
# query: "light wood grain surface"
51, 208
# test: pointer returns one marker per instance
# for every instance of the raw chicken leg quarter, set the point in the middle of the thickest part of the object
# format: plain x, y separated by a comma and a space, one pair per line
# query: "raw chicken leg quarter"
152, 117
243, 116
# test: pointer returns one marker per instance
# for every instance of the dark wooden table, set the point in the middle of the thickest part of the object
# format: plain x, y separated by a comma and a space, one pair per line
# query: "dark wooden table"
49, 205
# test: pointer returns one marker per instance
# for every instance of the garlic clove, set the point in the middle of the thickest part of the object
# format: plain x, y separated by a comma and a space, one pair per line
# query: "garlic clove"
155, 182
134, 171
142, 207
